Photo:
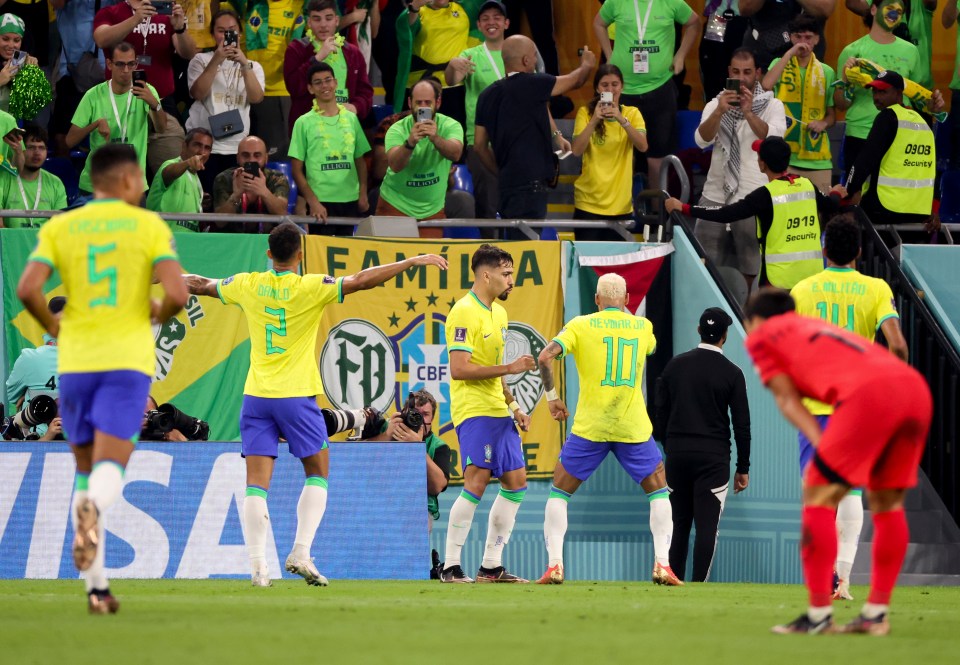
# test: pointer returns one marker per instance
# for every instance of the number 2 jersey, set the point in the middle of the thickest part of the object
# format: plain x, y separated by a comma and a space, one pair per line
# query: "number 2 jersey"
105, 253
283, 314
610, 348
848, 299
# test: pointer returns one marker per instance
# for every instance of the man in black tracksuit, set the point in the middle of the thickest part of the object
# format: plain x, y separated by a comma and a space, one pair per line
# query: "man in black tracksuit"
696, 394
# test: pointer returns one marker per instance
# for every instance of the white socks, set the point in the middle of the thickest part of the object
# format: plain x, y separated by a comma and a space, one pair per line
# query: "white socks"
105, 484
458, 526
849, 524
310, 508
555, 525
503, 515
661, 524
256, 520
95, 576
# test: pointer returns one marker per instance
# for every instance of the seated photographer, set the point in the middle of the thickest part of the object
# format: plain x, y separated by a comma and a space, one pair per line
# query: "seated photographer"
168, 423
249, 187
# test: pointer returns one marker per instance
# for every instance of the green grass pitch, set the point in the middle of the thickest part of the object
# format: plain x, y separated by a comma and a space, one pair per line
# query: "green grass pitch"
228, 621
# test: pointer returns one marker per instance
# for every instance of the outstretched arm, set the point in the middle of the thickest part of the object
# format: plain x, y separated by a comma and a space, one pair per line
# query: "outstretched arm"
377, 275
199, 285
558, 410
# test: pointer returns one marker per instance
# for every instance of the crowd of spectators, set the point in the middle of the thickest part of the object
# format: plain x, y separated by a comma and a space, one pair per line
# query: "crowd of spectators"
266, 106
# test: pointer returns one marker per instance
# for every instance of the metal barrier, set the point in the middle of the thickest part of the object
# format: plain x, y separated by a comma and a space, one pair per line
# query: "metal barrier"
932, 354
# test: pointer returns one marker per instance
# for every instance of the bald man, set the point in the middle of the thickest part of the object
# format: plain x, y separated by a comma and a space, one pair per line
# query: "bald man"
515, 137
250, 187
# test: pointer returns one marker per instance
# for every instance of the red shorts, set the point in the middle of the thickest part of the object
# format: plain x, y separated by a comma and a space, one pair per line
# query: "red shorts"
876, 437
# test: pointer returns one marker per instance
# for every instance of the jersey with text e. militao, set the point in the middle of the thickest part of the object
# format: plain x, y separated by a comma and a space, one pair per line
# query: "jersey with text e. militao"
105, 253
610, 348
283, 312
848, 299
480, 331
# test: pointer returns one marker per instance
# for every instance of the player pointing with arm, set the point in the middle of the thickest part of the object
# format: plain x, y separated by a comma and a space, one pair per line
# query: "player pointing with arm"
610, 348
480, 405
283, 311
106, 253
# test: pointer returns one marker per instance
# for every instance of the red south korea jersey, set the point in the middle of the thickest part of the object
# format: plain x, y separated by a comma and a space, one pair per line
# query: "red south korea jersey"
823, 361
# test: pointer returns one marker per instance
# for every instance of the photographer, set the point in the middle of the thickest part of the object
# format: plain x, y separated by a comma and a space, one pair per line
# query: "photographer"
168, 423
35, 373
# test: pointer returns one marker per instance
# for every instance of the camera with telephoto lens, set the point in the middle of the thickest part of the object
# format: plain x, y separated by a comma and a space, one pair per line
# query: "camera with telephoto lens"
365, 423
409, 416
40, 410
166, 417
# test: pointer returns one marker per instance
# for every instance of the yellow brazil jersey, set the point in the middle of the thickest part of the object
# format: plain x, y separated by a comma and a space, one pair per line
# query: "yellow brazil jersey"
610, 348
283, 314
444, 33
105, 253
848, 299
481, 331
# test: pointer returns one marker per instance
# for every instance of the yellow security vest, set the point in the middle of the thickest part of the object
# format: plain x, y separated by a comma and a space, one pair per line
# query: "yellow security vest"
792, 249
907, 170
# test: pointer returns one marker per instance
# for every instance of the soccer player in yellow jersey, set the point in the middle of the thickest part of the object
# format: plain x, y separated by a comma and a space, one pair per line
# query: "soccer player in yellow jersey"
861, 304
283, 312
107, 253
610, 348
481, 405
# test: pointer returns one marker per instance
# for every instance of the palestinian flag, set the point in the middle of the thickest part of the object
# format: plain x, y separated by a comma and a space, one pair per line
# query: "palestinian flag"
638, 268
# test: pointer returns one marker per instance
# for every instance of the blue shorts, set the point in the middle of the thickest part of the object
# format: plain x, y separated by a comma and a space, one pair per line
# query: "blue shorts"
581, 457
490, 443
806, 448
263, 420
109, 402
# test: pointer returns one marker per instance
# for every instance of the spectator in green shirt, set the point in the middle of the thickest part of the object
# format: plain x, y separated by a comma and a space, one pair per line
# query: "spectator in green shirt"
34, 188
176, 188
916, 28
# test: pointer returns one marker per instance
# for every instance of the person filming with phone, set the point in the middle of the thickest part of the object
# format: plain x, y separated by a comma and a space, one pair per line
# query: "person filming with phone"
420, 149
249, 187
12, 57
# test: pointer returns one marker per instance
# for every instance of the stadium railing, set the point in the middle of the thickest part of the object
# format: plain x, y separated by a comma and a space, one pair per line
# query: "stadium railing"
933, 355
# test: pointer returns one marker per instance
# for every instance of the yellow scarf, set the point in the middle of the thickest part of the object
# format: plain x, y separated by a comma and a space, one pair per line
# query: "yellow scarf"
804, 99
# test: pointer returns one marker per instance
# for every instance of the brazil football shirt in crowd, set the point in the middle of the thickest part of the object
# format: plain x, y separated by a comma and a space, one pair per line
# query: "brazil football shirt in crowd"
283, 310
284, 16
105, 253
845, 298
657, 19
420, 189
328, 146
439, 36
610, 348
127, 117
488, 67
183, 195
605, 186
46, 192
829, 76
481, 331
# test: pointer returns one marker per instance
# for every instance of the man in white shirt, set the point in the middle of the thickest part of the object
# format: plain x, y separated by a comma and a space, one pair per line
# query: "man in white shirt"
731, 122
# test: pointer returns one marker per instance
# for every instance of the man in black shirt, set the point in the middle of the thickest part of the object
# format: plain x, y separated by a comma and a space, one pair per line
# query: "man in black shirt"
696, 394
512, 115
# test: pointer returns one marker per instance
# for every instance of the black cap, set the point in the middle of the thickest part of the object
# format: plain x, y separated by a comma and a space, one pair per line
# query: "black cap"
493, 4
886, 80
713, 324
775, 153
56, 304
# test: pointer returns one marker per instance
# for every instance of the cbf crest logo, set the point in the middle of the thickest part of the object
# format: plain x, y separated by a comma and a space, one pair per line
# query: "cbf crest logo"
358, 366
487, 453
170, 335
522, 340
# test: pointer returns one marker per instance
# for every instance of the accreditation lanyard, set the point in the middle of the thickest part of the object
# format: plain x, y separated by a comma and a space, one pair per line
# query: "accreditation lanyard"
116, 113
493, 63
23, 193
642, 27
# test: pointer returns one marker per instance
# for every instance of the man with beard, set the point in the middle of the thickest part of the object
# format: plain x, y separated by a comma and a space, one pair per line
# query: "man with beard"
176, 188
35, 189
480, 407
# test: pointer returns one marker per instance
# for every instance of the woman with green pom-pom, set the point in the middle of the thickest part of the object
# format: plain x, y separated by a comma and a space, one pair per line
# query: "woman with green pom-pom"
13, 59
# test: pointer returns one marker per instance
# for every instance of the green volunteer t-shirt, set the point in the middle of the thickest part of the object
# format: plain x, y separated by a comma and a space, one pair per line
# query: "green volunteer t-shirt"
484, 74
328, 147
183, 195
419, 190
920, 25
659, 39
829, 77
96, 104
52, 196
901, 56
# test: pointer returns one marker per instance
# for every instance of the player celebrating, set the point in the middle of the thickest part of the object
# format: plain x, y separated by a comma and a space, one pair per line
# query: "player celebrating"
863, 305
609, 348
875, 438
283, 312
106, 253
476, 330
